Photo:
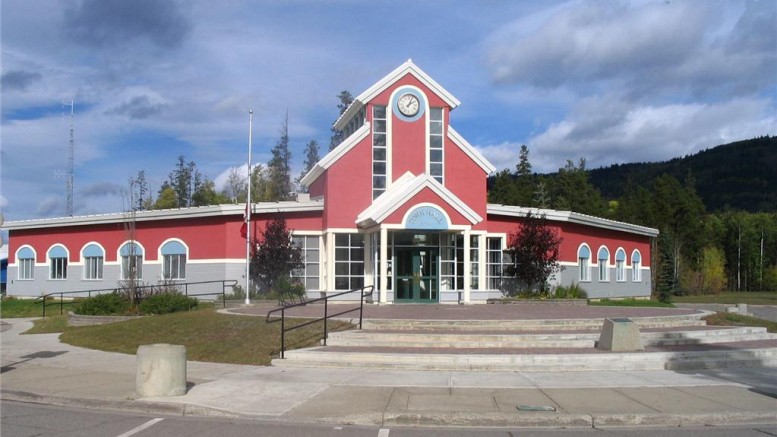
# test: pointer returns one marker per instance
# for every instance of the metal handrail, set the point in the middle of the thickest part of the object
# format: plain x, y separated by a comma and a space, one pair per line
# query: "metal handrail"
224, 284
365, 292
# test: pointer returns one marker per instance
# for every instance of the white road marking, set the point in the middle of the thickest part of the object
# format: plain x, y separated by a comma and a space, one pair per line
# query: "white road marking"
148, 424
384, 432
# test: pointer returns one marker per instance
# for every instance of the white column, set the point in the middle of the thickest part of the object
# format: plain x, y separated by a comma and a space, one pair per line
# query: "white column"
467, 274
369, 265
383, 265
330, 261
482, 262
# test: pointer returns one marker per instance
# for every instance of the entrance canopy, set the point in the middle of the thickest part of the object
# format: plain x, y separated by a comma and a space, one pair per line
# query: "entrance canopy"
405, 205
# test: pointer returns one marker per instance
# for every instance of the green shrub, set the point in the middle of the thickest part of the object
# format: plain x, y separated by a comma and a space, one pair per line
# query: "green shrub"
165, 303
574, 291
109, 304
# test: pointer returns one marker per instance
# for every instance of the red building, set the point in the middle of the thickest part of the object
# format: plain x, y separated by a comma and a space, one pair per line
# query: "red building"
400, 204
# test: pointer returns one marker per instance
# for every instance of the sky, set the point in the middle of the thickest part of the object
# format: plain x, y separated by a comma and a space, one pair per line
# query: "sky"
607, 81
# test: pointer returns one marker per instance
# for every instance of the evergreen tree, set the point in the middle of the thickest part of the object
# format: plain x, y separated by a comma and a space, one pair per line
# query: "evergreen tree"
504, 190
279, 170
524, 181
311, 158
139, 194
346, 99
571, 191
167, 198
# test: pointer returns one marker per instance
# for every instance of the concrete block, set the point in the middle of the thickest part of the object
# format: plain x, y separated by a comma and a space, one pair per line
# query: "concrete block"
742, 308
160, 370
732, 309
620, 335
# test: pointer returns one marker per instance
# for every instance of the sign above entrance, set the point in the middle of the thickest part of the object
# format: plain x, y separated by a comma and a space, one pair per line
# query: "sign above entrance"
426, 217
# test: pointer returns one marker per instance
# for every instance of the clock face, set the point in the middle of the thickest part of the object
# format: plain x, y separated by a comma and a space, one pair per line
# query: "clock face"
408, 105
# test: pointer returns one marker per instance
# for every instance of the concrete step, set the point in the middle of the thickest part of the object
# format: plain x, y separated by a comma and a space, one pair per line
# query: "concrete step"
321, 358
527, 324
458, 340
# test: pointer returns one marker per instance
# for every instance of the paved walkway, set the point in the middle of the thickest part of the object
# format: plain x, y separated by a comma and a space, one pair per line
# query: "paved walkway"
38, 368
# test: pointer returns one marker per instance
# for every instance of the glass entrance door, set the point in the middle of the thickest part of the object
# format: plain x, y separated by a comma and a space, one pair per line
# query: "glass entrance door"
417, 277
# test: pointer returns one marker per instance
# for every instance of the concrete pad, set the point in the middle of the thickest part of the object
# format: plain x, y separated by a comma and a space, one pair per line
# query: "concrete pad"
340, 401
596, 401
735, 398
247, 397
441, 399
671, 400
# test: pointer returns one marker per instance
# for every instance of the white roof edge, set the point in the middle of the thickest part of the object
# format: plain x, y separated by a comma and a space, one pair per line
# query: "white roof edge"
379, 86
353, 108
165, 214
379, 211
572, 217
335, 154
470, 150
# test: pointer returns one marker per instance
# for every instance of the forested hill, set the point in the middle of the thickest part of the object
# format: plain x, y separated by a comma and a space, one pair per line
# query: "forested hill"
740, 175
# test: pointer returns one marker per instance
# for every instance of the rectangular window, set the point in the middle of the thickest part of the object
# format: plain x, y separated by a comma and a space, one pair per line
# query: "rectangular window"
93, 267
131, 267
585, 270
379, 151
174, 266
447, 262
26, 268
308, 274
58, 268
636, 271
349, 261
494, 267
474, 263
436, 162
620, 274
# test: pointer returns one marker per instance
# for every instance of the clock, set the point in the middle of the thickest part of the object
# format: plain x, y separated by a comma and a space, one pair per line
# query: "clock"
408, 105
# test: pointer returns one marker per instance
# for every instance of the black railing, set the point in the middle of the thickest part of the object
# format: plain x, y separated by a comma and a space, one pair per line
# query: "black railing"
139, 289
364, 293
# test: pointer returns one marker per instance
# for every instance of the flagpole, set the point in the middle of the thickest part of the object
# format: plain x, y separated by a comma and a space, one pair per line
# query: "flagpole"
249, 208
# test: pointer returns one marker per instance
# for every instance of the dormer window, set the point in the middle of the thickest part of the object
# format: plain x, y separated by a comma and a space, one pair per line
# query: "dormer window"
356, 122
436, 167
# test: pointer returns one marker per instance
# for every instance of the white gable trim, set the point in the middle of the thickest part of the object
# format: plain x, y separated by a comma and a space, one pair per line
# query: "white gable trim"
405, 188
388, 80
335, 154
467, 148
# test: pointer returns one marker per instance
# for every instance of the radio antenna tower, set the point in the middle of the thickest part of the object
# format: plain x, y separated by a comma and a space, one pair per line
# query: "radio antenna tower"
71, 153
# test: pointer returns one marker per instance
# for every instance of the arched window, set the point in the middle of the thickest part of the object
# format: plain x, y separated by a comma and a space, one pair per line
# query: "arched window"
584, 263
636, 266
94, 257
58, 262
604, 261
25, 259
131, 261
173, 260
620, 265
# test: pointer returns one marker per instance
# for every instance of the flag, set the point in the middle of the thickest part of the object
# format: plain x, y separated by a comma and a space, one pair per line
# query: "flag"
244, 227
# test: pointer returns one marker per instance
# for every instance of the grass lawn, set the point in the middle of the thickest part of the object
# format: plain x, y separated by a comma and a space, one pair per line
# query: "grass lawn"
630, 303
732, 298
730, 319
11, 307
207, 335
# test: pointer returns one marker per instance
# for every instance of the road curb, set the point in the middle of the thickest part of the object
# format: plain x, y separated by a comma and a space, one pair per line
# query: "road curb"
400, 419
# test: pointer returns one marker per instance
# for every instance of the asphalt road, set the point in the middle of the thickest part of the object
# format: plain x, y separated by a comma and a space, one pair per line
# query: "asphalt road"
27, 420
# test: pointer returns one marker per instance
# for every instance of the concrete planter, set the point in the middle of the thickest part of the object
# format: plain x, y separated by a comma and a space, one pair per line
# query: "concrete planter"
82, 320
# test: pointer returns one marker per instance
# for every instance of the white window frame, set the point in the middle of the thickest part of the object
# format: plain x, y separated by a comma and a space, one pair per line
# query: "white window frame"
375, 134
25, 265
174, 266
441, 122
303, 274
620, 266
126, 262
353, 279
93, 267
636, 267
58, 264
603, 264
584, 263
